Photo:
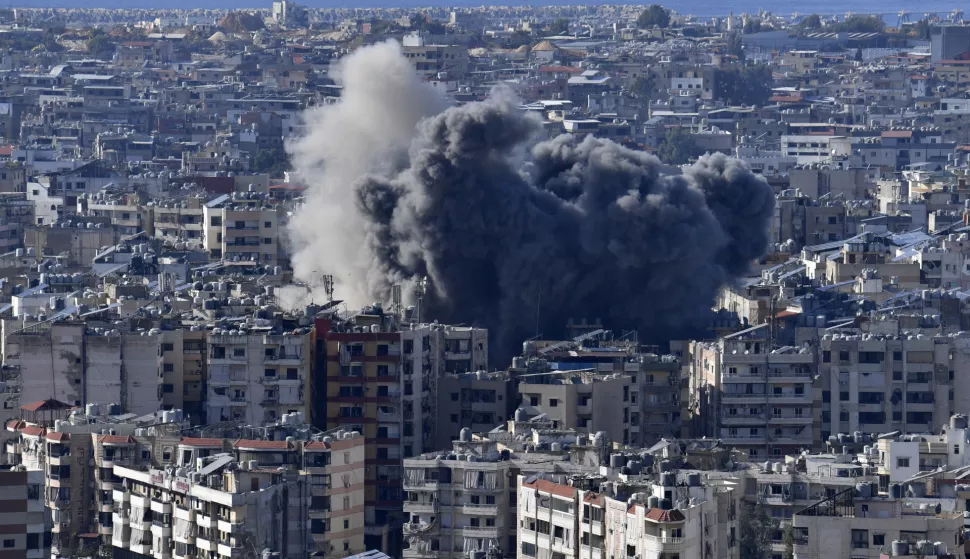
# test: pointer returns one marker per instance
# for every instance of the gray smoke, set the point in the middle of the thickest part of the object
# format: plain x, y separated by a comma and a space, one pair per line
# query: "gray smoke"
507, 227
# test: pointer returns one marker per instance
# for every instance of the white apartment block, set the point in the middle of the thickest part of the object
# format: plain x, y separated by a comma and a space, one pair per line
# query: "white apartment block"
456, 504
560, 521
256, 377
757, 399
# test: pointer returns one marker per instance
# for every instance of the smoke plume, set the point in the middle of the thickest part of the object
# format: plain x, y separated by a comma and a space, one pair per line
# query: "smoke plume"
520, 234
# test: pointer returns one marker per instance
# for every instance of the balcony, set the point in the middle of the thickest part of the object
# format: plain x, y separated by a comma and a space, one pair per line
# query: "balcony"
664, 544
425, 485
480, 510
204, 521
229, 527
227, 550
420, 508
480, 532
160, 529
730, 398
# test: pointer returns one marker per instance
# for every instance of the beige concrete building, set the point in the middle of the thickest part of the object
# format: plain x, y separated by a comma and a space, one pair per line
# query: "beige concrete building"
849, 524
753, 397
585, 400
885, 380
243, 227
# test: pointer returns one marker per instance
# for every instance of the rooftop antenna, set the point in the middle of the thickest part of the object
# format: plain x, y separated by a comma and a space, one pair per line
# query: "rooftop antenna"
421, 290
328, 286
396, 299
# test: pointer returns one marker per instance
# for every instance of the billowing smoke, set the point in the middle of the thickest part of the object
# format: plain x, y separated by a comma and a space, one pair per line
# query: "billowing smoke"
519, 234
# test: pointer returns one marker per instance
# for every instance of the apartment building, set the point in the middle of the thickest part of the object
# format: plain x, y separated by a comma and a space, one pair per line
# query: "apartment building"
227, 514
429, 353
459, 502
885, 380
478, 401
24, 530
862, 523
584, 400
656, 396
430, 61
76, 365
184, 376
669, 518
242, 227
179, 220
308, 487
753, 397
357, 385
256, 377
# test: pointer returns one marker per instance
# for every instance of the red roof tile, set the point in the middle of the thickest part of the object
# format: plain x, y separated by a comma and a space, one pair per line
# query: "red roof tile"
58, 436
191, 441
32, 431
15, 425
897, 134
316, 445
261, 445
547, 486
46, 405
660, 515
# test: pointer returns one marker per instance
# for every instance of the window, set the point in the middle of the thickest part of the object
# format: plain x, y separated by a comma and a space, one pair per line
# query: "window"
168, 388
902, 462
268, 224
553, 402
8, 543
860, 539
168, 367
956, 449
168, 347
878, 540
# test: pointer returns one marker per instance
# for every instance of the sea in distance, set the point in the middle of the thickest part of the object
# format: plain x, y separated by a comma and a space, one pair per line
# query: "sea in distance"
889, 9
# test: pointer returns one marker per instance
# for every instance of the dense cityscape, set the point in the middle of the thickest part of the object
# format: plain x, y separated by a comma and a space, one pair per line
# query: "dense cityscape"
561, 282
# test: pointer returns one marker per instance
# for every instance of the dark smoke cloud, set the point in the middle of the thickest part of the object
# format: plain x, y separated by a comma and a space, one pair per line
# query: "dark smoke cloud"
501, 223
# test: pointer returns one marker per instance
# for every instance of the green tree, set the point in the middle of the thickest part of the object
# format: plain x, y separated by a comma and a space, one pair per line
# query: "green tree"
654, 16
100, 44
788, 539
643, 86
756, 532
677, 147
735, 45
273, 162
559, 27
860, 23
811, 22
750, 85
